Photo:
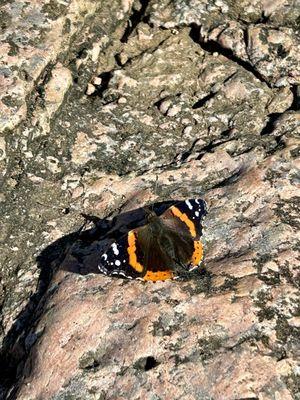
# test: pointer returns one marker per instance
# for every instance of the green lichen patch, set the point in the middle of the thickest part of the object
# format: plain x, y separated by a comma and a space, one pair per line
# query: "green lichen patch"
167, 324
197, 282
265, 311
285, 332
292, 381
89, 360
209, 346
11, 101
5, 19
54, 9
289, 211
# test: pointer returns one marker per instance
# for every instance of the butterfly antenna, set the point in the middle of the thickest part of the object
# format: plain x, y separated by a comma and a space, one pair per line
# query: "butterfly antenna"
127, 203
155, 192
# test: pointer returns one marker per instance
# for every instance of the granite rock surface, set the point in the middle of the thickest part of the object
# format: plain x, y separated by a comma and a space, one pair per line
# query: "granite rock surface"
106, 107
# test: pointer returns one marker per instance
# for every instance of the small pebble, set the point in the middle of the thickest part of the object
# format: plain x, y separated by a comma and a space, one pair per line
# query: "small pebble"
187, 130
97, 81
172, 111
90, 89
122, 100
164, 106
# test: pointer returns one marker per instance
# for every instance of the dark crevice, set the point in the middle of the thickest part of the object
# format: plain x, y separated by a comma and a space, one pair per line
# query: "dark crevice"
246, 38
150, 363
280, 144
228, 78
105, 79
137, 56
244, 151
146, 20
146, 363
159, 102
248, 398
118, 60
263, 19
200, 103
214, 47
36, 96
295, 106
82, 53
44, 79
206, 149
135, 18
187, 153
226, 133
210, 147
228, 181
274, 117
270, 125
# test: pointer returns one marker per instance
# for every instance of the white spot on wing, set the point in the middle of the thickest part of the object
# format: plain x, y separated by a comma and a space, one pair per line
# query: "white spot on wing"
123, 274
104, 256
118, 263
115, 248
102, 269
197, 213
187, 202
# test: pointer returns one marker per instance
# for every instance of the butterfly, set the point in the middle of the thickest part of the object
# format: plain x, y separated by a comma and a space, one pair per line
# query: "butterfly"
153, 251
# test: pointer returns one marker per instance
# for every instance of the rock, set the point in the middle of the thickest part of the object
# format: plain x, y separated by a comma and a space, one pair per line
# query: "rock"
83, 149
275, 53
272, 52
192, 329
45, 49
110, 106
90, 89
29, 45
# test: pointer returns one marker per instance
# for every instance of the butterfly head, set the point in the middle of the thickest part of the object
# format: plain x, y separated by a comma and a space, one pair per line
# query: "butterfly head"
150, 214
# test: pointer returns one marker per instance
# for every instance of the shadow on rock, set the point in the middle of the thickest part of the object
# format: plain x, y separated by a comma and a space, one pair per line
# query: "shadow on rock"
17, 343
85, 253
84, 247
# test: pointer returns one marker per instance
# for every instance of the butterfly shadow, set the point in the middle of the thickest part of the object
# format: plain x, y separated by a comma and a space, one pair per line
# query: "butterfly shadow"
94, 240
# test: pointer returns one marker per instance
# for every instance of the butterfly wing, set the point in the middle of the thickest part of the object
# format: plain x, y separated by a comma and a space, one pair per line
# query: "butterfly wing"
114, 261
184, 219
136, 255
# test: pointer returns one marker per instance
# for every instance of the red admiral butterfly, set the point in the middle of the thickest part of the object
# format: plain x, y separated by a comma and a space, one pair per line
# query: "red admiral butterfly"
152, 251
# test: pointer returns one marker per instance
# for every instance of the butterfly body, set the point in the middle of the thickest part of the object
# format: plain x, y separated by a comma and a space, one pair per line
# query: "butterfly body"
155, 250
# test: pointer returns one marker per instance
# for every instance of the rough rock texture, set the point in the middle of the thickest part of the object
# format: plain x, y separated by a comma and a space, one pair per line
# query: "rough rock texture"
106, 107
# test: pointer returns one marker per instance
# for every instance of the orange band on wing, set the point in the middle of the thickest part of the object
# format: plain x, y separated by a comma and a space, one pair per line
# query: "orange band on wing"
184, 218
158, 276
198, 252
132, 252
